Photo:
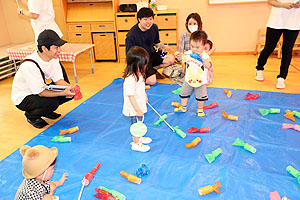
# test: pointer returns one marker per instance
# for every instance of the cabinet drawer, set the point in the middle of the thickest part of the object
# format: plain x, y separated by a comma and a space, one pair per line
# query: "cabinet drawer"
126, 22
79, 27
105, 46
166, 21
102, 27
122, 52
80, 37
122, 37
168, 36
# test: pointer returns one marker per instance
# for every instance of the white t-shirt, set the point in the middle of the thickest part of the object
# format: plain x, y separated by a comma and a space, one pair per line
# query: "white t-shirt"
282, 18
28, 79
46, 19
137, 89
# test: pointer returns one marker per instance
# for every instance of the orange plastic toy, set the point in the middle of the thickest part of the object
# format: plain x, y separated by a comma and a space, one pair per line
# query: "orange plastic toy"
288, 114
194, 143
228, 92
176, 104
70, 130
131, 177
147, 87
230, 117
210, 188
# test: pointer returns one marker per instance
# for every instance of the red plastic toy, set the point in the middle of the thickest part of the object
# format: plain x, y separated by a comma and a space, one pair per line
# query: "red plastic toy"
200, 130
78, 94
251, 96
212, 105
102, 194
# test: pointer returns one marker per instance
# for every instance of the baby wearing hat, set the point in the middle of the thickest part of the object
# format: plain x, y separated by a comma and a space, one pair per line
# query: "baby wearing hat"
38, 163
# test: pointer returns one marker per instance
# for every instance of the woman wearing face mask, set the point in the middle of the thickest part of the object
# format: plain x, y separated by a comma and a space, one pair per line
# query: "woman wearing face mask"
193, 23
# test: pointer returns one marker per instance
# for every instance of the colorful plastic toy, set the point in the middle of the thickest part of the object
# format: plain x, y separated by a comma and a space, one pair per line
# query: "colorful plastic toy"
212, 105
289, 115
285, 198
230, 117
176, 104
102, 194
251, 96
161, 119
210, 188
61, 139
295, 173
211, 157
228, 92
113, 193
70, 130
88, 177
131, 178
177, 91
240, 143
265, 112
194, 143
197, 57
179, 132
200, 130
78, 94
297, 114
142, 171
293, 126
147, 87
275, 196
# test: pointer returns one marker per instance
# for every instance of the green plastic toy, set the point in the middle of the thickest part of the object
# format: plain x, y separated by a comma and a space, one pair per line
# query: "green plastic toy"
179, 132
265, 112
177, 91
61, 139
114, 193
295, 173
211, 157
296, 113
240, 143
161, 119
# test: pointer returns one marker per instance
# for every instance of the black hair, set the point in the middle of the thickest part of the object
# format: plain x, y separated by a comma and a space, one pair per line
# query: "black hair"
195, 16
210, 44
199, 36
144, 12
137, 60
40, 47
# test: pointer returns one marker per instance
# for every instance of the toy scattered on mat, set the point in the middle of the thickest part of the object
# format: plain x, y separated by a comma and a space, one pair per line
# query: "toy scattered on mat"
194, 143
289, 115
104, 193
240, 143
131, 178
179, 132
176, 104
293, 126
251, 96
78, 94
200, 130
265, 112
295, 173
212, 105
275, 196
70, 130
210, 188
177, 91
228, 92
211, 157
61, 139
147, 87
161, 119
142, 171
297, 114
87, 178
230, 117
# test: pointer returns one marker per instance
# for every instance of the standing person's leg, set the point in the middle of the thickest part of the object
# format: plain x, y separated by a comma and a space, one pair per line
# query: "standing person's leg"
272, 37
201, 96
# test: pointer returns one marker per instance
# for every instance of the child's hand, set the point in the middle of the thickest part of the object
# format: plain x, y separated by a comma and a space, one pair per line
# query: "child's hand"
62, 180
139, 113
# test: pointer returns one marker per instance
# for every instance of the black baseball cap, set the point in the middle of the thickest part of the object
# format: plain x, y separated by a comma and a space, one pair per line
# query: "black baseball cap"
49, 37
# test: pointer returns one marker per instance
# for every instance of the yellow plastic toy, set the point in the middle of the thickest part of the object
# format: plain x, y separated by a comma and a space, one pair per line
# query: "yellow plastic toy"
228, 92
194, 143
131, 178
230, 117
288, 114
70, 130
147, 87
210, 188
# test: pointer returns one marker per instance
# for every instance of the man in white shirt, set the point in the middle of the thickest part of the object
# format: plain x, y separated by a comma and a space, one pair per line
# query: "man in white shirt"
29, 91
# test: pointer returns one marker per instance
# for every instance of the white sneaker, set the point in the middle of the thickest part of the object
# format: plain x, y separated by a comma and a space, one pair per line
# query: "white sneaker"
280, 83
140, 147
259, 76
145, 140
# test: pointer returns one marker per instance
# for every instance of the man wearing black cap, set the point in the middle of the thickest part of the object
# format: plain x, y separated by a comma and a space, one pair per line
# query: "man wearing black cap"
29, 91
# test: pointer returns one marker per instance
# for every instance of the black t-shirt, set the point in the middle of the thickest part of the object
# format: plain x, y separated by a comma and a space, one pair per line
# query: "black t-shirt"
145, 39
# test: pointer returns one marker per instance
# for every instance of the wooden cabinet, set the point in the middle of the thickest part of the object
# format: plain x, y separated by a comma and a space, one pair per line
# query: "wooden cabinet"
105, 48
165, 20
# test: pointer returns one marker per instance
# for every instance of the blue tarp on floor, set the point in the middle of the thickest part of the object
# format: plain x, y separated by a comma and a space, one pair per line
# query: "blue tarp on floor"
176, 173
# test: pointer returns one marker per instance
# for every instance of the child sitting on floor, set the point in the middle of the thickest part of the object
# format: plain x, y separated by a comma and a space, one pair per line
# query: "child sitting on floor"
198, 65
38, 163
135, 97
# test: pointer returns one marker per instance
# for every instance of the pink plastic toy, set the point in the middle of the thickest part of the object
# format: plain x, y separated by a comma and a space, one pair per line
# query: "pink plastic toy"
78, 94
295, 127
212, 105
251, 96
200, 130
274, 196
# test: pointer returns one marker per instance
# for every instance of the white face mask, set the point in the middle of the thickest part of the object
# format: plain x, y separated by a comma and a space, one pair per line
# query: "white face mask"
192, 28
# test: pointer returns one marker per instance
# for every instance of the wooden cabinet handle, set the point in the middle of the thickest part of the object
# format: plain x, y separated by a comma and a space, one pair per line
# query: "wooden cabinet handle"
126, 20
79, 26
101, 26
166, 19
78, 34
167, 34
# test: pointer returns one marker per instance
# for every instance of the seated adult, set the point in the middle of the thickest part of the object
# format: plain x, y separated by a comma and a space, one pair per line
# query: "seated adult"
28, 89
145, 34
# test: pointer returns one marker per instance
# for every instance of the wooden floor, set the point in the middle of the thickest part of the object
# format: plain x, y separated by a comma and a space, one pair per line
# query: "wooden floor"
236, 71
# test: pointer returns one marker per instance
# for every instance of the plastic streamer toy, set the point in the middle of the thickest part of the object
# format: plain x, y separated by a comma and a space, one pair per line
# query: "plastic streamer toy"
251, 96
228, 92
297, 114
230, 117
289, 115
61, 139
246, 146
70, 130
104, 193
200, 130
210, 188
265, 112
293, 126
131, 178
295, 173
194, 143
212, 105
175, 104
197, 57
78, 94
275, 196
160, 120
142, 171
177, 91
211, 157
179, 132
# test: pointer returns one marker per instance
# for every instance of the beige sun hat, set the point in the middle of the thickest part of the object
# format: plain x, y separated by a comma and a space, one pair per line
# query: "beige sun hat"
36, 159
